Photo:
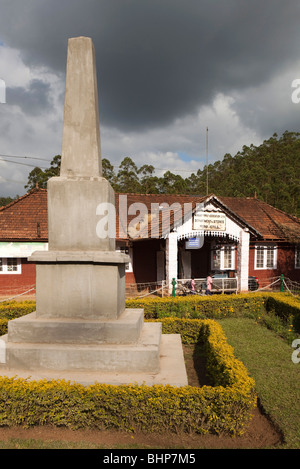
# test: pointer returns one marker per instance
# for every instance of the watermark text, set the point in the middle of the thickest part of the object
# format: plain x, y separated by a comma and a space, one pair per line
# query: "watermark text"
296, 93
296, 353
2, 92
138, 220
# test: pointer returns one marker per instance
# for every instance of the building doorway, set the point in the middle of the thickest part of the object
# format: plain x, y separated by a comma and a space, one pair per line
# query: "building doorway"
216, 255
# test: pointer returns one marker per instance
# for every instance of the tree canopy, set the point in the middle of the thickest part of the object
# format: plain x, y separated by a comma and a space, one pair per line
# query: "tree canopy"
38, 178
270, 171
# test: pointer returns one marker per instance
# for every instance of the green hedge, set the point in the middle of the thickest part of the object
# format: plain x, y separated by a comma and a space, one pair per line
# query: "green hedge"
15, 309
12, 310
257, 305
285, 306
193, 306
199, 307
224, 408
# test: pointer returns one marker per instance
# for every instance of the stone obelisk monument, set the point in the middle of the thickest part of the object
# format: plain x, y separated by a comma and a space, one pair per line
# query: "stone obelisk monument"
81, 329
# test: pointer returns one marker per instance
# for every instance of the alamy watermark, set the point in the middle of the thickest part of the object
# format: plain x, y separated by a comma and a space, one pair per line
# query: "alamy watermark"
296, 353
296, 93
140, 221
2, 92
2, 351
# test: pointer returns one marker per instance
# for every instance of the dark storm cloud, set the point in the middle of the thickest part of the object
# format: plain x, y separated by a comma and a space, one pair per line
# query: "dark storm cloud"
33, 100
159, 59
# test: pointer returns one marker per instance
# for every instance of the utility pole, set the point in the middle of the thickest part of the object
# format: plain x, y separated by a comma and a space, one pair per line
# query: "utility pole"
206, 160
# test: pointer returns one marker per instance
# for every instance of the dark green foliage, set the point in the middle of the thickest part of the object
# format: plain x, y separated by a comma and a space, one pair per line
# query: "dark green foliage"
271, 171
38, 177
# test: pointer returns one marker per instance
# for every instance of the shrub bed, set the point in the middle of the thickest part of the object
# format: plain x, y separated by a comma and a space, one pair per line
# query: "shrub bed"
12, 310
15, 309
283, 305
286, 307
224, 407
200, 307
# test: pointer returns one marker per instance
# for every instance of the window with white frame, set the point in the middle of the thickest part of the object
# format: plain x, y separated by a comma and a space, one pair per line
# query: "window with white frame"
297, 256
223, 257
126, 250
265, 257
10, 265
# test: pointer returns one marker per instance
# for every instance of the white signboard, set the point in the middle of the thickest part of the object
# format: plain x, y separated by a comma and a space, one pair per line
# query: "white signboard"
209, 221
21, 249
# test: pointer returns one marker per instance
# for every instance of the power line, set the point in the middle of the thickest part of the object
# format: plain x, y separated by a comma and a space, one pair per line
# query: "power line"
29, 157
160, 169
23, 164
113, 164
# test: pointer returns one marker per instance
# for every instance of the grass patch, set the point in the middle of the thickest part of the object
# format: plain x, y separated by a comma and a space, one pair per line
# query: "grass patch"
268, 360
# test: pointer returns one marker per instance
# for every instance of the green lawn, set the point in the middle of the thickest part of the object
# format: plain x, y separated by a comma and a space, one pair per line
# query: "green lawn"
268, 359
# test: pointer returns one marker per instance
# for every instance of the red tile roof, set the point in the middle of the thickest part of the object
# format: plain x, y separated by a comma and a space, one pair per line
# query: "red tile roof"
157, 216
268, 221
26, 218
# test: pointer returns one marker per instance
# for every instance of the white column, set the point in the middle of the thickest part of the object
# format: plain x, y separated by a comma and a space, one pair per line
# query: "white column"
243, 260
171, 258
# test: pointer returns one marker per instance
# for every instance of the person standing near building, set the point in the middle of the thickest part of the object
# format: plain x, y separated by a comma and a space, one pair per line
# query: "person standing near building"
208, 285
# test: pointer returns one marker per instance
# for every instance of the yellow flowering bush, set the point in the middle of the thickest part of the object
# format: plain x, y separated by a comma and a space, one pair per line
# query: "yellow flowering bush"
12, 310
283, 305
15, 309
200, 307
224, 407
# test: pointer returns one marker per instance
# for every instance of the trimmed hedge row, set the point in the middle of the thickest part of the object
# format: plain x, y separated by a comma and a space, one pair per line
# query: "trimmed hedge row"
283, 305
224, 408
193, 306
12, 310
15, 309
199, 307
286, 307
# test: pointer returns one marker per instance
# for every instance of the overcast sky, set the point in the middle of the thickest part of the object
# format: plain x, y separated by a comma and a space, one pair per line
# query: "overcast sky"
167, 69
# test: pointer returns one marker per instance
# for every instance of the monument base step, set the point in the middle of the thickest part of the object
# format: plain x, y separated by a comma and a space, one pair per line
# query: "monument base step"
139, 357
34, 329
171, 372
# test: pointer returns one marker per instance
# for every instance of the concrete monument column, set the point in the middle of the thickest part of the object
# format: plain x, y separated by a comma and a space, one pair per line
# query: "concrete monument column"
81, 152
73, 198
81, 329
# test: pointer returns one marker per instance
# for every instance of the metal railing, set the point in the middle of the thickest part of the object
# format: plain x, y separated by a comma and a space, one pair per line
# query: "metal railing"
183, 287
219, 285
